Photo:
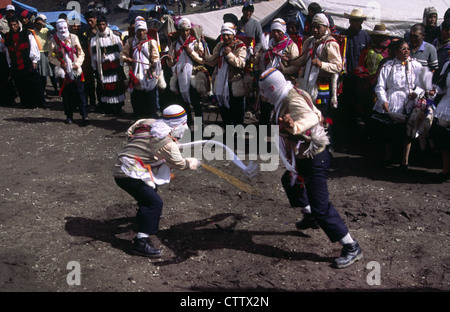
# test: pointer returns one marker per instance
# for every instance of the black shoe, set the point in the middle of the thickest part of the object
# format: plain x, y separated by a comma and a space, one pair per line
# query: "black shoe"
69, 121
85, 121
142, 247
308, 222
350, 254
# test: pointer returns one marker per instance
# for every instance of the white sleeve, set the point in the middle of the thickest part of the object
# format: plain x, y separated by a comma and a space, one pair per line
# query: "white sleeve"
380, 89
35, 55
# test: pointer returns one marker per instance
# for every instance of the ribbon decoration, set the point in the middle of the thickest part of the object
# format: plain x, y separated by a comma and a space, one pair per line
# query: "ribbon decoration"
250, 170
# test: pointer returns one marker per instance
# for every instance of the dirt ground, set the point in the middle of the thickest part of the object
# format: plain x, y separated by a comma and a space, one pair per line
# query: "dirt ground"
59, 204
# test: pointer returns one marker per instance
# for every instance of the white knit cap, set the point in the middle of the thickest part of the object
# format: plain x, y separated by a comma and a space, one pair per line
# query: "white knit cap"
174, 115
321, 19
228, 29
278, 24
184, 23
140, 23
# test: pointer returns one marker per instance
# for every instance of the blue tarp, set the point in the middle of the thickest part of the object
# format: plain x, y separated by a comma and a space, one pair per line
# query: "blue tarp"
144, 10
20, 7
52, 17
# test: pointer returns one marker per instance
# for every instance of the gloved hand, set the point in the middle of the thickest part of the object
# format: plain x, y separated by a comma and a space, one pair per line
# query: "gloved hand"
193, 163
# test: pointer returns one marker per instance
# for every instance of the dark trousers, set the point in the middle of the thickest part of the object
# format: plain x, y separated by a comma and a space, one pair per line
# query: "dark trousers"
235, 114
195, 102
149, 203
313, 191
29, 87
73, 96
144, 104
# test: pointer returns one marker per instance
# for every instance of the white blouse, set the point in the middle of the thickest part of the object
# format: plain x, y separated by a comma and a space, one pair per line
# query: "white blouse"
397, 80
442, 112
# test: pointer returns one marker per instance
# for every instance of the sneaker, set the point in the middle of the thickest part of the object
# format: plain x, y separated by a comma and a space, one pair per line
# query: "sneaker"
69, 121
308, 222
143, 248
350, 254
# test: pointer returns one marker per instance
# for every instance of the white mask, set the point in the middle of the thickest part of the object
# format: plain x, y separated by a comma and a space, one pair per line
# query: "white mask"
62, 30
178, 131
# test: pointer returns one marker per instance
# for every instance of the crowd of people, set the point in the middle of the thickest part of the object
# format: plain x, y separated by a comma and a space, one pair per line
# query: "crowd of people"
317, 83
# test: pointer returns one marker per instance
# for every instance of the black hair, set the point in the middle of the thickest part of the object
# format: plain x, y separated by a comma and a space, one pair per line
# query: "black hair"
394, 46
447, 14
418, 27
446, 24
102, 18
13, 19
315, 8
230, 17
62, 15
90, 14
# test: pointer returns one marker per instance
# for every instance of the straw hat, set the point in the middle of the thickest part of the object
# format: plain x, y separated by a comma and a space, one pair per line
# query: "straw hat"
379, 30
356, 14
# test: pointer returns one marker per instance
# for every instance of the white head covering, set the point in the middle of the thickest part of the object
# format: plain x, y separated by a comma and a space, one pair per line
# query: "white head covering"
321, 19
278, 24
140, 23
184, 23
174, 120
274, 86
228, 29
10, 7
62, 29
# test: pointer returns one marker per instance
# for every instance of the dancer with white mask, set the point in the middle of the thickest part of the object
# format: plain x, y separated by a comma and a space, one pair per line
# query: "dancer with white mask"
144, 163
66, 53
142, 55
303, 146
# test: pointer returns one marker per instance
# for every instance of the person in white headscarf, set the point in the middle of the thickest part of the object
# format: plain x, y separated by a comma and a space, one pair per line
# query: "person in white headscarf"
105, 50
144, 163
183, 58
229, 58
141, 52
66, 53
303, 149
281, 47
321, 63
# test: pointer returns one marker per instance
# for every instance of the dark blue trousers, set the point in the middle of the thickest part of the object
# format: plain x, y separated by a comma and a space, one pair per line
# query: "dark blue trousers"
312, 189
149, 202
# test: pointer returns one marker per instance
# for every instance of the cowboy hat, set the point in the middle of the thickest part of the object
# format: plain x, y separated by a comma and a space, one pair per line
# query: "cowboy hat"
356, 14
379, 30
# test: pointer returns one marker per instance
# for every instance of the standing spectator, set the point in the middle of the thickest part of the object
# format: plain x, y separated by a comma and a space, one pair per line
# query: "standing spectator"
440, 130
430, 17
42, 35
25, 18
66, 54
398, 88
442, 45
422, 51
229, 58
7, 89
281, 50
321, 63
305, 181
346, 116
142, 55
23, 56
313, 9
10, 13
250, 26
183, 57
105, 51
92, 90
